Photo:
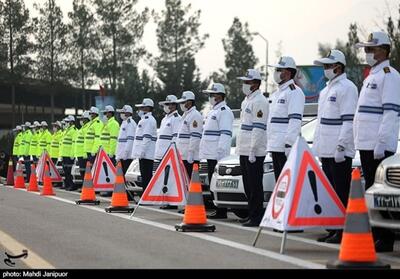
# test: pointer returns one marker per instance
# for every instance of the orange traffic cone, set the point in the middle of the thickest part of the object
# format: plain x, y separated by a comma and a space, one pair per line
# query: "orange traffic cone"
195, 218
357, 249
119, 200
10, 174
47, 189
33, 185
19, 180
88, 196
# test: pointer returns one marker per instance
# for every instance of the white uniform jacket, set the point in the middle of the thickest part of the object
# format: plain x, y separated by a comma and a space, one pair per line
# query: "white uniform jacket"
336, 108
253, 125
377, 116
145, 138
285, 117
126, 138
189, 134
168, 133
217, 135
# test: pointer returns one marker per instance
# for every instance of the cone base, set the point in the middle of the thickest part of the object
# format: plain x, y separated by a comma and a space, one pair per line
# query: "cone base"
119, 209
33, 190
87, 202
194, 228
357, 265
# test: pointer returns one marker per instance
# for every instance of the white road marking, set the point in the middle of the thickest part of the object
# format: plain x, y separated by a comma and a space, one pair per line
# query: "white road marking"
14, 248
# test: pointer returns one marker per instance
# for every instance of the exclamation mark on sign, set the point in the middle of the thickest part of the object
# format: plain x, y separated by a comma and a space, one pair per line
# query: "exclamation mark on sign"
48, 164
313, 183
166, 175
106, 172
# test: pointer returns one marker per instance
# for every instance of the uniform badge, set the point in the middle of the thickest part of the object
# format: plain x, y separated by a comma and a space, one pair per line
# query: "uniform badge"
248, 110
386, 70
332, 99
195, 124
260, 114
214, 118
281, 101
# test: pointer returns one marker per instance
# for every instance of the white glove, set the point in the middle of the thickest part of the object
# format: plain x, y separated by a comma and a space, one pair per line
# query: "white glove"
252, 157
288, 148
190, 158
379, 151
340, 155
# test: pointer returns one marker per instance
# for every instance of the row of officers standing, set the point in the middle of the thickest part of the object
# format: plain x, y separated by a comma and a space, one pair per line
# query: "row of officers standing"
347, 121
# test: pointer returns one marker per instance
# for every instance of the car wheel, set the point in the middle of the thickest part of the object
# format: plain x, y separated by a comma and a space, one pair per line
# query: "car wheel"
241, 213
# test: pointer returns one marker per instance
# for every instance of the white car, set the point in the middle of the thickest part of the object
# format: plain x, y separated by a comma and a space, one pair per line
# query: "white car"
383, 198
227, 183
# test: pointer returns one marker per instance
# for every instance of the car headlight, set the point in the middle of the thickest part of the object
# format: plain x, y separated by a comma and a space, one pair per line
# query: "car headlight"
268, 167
216, 169
380, 174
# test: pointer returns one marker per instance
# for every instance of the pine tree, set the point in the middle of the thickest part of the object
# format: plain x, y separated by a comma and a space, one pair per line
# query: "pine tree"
178, 40
239, 56
394, 35
16, 28
120, 31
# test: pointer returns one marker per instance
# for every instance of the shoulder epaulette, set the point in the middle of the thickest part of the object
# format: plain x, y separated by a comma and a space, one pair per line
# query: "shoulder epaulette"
176, 114
386, 70
292, 87
223, 108
146, 117
129, 121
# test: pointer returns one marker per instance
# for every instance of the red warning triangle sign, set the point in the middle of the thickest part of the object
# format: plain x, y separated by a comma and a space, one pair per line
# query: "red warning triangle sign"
303, 197
54, 174
103, 173
169, 183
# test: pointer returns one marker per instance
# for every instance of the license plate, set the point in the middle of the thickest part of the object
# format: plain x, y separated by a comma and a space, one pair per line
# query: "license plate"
386, 201
228, 184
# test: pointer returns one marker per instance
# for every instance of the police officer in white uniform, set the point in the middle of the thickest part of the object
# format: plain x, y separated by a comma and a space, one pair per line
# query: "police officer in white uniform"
217, 136
168, 132
252, 144
333, 139
169, 127
286, 113
190, 132
126, 137
145, 140
376, 124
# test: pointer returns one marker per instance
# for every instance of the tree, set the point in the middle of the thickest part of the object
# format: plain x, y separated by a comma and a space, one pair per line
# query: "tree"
394, 35
81, 42
120, 31
16, 31
178, 40
239, 56
354, 69
51, 44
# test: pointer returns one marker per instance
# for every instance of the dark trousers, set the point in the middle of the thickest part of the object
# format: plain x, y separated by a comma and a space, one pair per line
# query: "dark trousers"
339, 175
14, 162
369, 166
112, 159
67, 167
252, 174
54, 160
125, 165
278, 160
91, 158
27, 163
211, 167
189, 168
146, 171
82, 166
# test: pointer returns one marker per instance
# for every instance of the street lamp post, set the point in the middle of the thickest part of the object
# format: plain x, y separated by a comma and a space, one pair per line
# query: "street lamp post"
266, 58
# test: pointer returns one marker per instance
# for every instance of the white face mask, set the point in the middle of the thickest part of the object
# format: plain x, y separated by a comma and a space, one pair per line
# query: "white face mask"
183, 107
141, 113
123, 116
212, 101
246, 89
370, 58
167, 110
330, 74
277, 77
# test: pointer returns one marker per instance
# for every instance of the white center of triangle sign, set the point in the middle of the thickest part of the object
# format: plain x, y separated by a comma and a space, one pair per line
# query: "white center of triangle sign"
169, 184
303, 197
103, 172
54, 174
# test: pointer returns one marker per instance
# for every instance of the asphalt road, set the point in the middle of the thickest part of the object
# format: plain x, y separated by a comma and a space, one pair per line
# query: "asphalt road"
59, 234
